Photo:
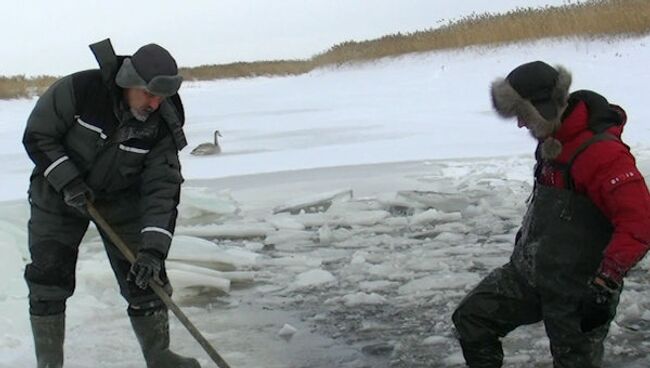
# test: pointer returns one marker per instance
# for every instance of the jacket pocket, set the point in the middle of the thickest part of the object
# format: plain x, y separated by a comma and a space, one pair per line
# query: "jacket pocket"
118, 168
130, 163
83, 141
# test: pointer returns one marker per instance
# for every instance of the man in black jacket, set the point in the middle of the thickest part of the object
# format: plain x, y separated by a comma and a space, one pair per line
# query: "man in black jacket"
109, 136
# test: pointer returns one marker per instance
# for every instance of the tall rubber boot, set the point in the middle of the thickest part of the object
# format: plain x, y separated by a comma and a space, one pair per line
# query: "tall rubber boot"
152, 332
49, 332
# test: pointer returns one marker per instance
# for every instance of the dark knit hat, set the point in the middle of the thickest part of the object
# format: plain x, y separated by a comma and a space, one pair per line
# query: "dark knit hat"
152, 68
537, 94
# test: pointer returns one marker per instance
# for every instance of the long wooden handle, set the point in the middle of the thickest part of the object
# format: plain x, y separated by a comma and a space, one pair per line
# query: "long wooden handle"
126, 251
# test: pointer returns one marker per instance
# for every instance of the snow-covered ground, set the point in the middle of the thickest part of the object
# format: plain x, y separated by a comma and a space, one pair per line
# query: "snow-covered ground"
357, 205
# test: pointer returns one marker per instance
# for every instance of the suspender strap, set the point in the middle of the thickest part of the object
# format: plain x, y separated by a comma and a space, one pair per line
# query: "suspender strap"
568, 179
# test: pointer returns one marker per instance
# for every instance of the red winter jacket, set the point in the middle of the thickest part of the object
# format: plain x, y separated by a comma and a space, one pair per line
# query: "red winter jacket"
606, 173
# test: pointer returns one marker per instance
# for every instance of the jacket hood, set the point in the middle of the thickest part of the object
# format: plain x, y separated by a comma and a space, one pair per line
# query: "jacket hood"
108, 61
588, 110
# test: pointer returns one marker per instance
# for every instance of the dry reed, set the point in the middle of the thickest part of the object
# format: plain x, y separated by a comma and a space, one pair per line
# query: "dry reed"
595, 19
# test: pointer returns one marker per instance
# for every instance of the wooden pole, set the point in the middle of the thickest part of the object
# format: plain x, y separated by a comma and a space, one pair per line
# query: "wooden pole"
126, 251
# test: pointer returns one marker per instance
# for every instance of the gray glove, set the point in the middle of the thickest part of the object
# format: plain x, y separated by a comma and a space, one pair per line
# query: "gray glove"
146, 267
76, 194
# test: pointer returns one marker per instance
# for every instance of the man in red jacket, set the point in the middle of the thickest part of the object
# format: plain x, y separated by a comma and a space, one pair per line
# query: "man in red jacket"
587, 224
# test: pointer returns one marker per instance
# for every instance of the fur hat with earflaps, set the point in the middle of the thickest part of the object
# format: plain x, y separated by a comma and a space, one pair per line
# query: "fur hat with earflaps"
537, 94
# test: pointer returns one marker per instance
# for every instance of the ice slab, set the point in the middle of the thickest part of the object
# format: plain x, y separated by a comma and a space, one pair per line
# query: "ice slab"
314, 203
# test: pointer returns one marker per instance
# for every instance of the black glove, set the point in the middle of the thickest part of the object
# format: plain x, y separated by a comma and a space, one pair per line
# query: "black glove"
147, 266
597, 306
76, 194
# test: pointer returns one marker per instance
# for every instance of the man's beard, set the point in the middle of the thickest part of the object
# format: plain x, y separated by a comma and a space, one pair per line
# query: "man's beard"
141, 114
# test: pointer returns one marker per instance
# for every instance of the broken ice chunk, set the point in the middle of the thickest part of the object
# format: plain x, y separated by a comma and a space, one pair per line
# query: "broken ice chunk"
287, 331
315, 203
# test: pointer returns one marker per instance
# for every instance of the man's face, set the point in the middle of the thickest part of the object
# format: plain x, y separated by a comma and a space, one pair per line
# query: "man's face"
142, 103
524, 124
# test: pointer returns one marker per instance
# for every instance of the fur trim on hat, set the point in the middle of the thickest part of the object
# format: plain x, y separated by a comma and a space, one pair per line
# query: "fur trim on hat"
551, 148
128, 77
508, 103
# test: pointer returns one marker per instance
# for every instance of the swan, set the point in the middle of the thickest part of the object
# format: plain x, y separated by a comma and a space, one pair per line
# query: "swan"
204, 149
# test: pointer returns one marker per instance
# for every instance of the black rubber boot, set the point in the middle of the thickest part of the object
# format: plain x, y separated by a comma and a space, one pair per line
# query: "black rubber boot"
49, 332
152, 332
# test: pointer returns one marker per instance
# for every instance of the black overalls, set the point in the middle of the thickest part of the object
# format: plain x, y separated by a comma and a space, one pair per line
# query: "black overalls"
557, 250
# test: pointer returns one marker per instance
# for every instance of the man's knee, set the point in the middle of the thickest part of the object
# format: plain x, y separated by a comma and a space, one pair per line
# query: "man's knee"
53, 264
145, 309
50, 277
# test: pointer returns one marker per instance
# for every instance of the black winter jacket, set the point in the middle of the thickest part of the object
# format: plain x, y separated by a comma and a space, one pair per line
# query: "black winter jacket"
80, 127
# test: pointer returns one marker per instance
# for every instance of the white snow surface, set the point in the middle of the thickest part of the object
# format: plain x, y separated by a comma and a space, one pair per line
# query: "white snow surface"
438, 185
